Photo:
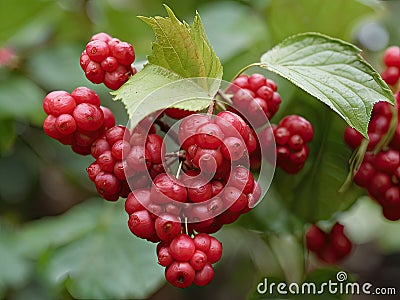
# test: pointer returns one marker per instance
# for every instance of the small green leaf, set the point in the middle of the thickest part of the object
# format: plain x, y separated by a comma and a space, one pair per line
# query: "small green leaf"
156, 88
181, 48
332, 71
182, 66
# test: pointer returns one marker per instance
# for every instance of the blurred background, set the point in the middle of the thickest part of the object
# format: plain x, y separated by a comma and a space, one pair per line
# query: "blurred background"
58, 241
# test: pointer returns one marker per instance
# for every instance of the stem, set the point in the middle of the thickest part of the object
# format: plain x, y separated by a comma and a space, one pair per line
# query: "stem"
186, 226
245, 68
385, 140
355, 161
224, 97
211, 108
164, 126
178, 172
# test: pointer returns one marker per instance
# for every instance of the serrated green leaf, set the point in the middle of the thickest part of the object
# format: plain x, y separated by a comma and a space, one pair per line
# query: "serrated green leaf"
332, 71
156, 88
181, 48
91, 252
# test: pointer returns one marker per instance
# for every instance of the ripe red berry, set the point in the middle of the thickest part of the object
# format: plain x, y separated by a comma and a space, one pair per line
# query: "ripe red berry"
49, 127
137, 200
94, 72
101, 36
109, 119
97, 50
65, 124
141, 224
113, 80
107, 183
202, 242
182, 247
167, 227
88, 116
209, 135
315, 238
109, 64
391, 57
232, 148
204, 276
123, 52
198, 260
180, 274
84, 95
59, 102
164, 257
215, 252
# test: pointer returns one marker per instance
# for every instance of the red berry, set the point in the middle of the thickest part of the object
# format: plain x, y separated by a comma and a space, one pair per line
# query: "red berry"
136, 200
315, 239
242, 179
116, 133
49, 127
204, 276
101, 36
141, 224
364, 174
215, 252
167, 227
188, 128
198, 260
199, 190
232, 125
119, 148
88, 116
209, 135
232, 148
155, 146
93, 170
59, 102
391, 75
107, 183
387, 161
202, 242
84, 60
106, 161
176, 113
182, 247
113, 80
99, 146
109, 119
94, 72
138, 159
165, 189
391, 57
123, 52
164, 257
84, 95
180, 274
65, 124
109, 64
97, 50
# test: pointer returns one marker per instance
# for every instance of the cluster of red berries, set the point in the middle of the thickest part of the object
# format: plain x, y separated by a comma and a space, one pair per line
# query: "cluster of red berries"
76, 119
330, 247
379, 173
108, 60
189, 260
255, 97
391, 59
291, 136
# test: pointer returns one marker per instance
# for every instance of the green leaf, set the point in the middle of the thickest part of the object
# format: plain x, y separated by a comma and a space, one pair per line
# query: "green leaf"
156, 88
93, 254
332, 71
182, 66
181, 48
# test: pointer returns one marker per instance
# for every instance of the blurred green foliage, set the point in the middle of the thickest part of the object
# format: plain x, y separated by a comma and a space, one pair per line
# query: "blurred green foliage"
56, 244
